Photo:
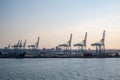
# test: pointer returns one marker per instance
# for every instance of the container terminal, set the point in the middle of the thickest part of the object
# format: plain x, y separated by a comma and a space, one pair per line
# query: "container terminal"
20, 50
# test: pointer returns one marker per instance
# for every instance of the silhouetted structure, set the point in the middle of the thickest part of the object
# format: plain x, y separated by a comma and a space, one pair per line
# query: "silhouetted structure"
82, 45
67, 46
100, 46
36, 45
18, 45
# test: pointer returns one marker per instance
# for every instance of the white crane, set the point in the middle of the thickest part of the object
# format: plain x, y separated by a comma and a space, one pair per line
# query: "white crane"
100, 46
67, 46
82, 45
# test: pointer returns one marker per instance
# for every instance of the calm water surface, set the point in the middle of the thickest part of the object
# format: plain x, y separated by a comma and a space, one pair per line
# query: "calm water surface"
60, 69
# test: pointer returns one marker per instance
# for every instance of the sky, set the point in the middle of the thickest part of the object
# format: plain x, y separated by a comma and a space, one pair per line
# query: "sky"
55, 20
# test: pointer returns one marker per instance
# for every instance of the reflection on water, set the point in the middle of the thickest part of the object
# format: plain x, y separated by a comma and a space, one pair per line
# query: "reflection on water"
60, 69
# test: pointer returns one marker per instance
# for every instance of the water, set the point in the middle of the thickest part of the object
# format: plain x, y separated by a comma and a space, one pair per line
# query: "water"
60, 69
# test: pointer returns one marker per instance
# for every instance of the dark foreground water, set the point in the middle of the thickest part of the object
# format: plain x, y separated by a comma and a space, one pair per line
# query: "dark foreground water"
60, 69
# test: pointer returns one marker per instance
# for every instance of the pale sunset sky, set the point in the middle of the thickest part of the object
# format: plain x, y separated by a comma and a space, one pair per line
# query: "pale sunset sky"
55, 20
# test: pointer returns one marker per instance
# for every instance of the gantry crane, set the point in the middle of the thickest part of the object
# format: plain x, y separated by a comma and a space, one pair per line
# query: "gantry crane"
82, 45
36, 45
24, 45
19, 45
100, 46
67, 46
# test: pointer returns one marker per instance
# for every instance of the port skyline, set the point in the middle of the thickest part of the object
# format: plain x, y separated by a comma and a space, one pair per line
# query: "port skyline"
54, 21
